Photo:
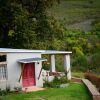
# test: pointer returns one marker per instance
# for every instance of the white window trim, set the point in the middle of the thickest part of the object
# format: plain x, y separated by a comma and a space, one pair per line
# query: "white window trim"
3, 72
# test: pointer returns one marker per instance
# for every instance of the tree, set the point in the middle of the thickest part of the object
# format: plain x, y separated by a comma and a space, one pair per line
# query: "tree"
24, 23
5, 21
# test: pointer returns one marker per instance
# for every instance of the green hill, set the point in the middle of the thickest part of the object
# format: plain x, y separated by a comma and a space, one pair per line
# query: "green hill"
70, 12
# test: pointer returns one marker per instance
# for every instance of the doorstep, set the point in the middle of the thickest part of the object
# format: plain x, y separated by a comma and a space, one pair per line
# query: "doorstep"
32, 88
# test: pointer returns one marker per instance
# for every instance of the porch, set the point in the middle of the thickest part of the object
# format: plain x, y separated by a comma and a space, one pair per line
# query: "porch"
52, 63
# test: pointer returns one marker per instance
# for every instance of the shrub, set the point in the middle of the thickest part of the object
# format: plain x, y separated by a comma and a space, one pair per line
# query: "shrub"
48, 84
3, 92
80, 63
64, 79
56, 82
95, 60
6, 91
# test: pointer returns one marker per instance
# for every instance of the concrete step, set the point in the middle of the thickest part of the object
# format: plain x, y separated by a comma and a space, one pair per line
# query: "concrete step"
32, 88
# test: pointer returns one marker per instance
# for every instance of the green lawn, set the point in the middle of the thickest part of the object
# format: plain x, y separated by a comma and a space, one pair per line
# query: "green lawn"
78, 74
72, 92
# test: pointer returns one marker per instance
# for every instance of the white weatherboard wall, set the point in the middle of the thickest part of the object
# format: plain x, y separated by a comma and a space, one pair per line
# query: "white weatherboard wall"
14, 68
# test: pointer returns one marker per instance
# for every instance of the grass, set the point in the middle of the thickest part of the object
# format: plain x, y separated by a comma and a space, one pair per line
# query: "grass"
78, 74
72, 11
72, 92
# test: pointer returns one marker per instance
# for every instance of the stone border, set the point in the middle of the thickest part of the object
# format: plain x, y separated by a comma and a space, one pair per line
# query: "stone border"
92, 89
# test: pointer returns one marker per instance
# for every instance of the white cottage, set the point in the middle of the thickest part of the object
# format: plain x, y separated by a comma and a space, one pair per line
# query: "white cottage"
22, 66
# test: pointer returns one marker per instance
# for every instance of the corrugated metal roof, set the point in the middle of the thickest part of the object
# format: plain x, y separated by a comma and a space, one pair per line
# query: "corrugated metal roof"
19, 50
9, 50
30, 60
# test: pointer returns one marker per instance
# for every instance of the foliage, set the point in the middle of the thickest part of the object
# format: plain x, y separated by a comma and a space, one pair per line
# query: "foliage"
56, 82
3, 92
27, 24
81, 63
94, 61
19, 30
24, 23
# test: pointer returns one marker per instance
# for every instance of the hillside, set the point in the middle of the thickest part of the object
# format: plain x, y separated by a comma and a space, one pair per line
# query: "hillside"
76, 13
26, 25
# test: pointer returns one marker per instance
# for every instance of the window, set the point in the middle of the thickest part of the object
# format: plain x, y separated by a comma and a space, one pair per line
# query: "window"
3, 67
2, 58
3, 71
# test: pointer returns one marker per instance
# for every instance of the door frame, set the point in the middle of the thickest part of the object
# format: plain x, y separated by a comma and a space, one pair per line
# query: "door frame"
22, 69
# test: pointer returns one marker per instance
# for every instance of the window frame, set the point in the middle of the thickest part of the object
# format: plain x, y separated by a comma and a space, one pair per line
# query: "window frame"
3, 68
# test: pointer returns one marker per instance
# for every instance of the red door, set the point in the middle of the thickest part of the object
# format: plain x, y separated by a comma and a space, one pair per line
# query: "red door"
28, 76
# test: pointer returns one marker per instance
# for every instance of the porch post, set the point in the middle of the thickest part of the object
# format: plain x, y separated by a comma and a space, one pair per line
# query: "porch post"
52, 63
67, 66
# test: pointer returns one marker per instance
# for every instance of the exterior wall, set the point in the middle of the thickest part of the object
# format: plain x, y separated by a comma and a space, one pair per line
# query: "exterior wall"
39, 82
14, 68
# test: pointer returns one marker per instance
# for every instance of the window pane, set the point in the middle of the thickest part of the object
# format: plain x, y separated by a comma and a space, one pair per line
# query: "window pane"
2, 58
3, 71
